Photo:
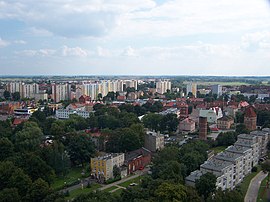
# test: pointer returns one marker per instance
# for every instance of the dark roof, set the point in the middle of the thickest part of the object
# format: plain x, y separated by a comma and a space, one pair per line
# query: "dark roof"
129, 156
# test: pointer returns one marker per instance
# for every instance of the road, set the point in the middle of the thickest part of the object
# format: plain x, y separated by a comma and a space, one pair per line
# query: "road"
253, 189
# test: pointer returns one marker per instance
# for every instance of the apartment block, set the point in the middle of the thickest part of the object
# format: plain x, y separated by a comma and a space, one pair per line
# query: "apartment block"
102, 166
232, 165
153, 141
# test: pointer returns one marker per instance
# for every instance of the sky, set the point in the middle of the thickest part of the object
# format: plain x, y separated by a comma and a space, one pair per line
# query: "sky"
135, 37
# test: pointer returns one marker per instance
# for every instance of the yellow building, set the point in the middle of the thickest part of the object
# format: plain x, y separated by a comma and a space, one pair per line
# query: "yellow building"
102, 166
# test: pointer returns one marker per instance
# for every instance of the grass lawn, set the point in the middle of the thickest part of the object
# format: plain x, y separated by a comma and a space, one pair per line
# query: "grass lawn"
218, 149
262, 191
71, 177
78, 192
244, 185
117, 192
110, 189
127, 183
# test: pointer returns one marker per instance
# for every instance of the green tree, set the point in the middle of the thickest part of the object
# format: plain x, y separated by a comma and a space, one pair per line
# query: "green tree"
7, 148
39, 190
29, 138
7, 95
20, 181
80, 148
152, 121
16, 96
266, 166
206, 185
171, 192
9, 195
241, 128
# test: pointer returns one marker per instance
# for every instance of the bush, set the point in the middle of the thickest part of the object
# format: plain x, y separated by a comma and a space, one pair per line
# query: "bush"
254, 169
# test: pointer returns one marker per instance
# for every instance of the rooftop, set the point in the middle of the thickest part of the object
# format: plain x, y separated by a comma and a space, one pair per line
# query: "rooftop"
108, 156
228, 156
237, 149
216, 164
195, 175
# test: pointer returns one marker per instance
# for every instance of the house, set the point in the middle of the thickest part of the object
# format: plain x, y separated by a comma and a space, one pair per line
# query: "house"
153, 141
212, 114
187, 125
225, 122
138, 159
250, 118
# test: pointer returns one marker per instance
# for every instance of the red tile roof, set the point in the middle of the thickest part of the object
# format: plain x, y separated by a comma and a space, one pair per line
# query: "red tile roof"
250, 112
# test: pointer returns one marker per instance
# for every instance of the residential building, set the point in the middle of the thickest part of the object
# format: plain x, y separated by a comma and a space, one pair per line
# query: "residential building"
154, 141
212, 114
138, 159
192, 88
225, 122
187, 125
131, 84
163, 86
65, 113
217, 89
102, 166
59, 92
232, 165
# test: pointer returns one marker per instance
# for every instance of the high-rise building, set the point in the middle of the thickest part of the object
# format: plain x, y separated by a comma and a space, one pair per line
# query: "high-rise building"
217, 89
131, 84
29, 90
192, 88
59, 92
163, 86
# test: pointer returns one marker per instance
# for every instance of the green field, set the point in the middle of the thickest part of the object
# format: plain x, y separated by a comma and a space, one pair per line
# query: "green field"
244, 185
79, 191
262, 196
72, 177
136, 180
110, 189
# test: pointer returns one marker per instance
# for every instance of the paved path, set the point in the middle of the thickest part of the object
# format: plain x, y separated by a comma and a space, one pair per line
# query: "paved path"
253, 189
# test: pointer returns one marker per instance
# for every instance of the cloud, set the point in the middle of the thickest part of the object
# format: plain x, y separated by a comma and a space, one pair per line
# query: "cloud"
130, 52
3, 43
40, 52
74, 51
20, 42
102, 52
256, 41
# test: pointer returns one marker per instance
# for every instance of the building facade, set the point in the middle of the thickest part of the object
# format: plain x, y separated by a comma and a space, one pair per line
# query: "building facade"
153, 141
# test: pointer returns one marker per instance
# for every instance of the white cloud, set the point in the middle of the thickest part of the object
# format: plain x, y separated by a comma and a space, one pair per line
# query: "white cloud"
102, 52
3, 43
256, 41
20, 42
40, 52
74, 51
130, 52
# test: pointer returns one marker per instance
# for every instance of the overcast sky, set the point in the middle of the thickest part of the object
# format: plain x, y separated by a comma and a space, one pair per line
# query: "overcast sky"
134, 37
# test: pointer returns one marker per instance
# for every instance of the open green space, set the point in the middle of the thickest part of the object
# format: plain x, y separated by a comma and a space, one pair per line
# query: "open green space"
80, 191
71, 178
117, 192
244, 185
218, 149
262, 194
136, 180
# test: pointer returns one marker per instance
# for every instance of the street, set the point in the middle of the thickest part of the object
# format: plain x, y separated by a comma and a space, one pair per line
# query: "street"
252, 192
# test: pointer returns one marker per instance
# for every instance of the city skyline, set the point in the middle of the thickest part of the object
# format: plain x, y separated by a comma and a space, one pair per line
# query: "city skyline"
142, 37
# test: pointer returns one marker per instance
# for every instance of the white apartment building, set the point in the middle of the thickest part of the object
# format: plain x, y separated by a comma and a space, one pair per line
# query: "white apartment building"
29, 90
212, 114
65, 113
131, 84
163, 86
232, 165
